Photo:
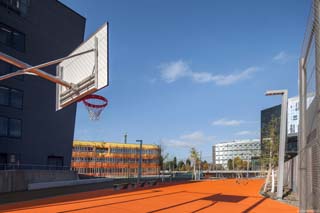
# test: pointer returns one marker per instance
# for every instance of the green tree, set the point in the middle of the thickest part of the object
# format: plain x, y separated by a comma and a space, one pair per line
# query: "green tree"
188, 164
174, 163
183, 168
237, 163
162, 158
219, 166
230, 164
181, 165
205, 165
168, 165
195, 158
270, 143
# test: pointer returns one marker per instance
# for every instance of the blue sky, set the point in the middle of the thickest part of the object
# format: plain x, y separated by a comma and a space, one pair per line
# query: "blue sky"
192, 73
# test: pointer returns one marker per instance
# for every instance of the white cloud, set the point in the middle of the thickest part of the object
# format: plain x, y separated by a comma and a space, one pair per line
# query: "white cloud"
203, 77
196, 136
225, 122
233, 78
152, 80
188, 140
177, 143
245, 132
170, 72
282, 57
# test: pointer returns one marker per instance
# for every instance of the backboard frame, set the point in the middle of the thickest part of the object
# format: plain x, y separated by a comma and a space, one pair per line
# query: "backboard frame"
72, 87
99, 65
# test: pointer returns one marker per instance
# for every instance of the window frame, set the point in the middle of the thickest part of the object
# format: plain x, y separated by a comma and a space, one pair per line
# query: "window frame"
10, 97
11, 38
8, 128
19, 11
22, 98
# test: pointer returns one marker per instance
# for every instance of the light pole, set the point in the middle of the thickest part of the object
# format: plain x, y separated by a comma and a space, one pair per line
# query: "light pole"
283, 137
200, 166
248, 167
140, 161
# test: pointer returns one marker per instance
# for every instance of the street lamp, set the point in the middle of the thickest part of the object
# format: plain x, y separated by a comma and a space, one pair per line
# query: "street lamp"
140, 161
200, 166
283, 136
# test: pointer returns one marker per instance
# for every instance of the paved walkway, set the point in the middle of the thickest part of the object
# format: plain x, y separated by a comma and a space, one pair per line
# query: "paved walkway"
207, 196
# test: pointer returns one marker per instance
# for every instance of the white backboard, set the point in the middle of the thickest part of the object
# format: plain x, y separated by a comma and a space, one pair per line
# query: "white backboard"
87, 72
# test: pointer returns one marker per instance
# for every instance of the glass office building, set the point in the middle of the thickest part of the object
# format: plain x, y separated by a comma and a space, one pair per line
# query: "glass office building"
245, 149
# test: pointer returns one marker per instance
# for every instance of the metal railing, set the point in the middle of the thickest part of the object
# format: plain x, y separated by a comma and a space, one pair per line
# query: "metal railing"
32, 167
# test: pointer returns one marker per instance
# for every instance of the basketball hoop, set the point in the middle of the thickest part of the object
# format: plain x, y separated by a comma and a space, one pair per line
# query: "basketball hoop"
95, 104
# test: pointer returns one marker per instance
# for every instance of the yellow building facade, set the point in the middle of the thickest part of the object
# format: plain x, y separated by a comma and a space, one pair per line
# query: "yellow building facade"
108, 159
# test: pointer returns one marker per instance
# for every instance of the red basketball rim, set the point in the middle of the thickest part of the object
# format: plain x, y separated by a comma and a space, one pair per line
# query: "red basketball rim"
97, 97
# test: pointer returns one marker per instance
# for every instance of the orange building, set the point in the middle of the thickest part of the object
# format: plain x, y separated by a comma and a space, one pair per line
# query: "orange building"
105, 159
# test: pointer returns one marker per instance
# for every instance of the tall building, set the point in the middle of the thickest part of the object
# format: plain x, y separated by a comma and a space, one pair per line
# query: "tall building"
31, 131
267, 115
293, 115
292, 124
105, 159
292, 127
245, 149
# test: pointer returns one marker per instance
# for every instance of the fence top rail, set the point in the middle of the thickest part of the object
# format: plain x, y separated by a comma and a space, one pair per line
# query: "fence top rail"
32, 166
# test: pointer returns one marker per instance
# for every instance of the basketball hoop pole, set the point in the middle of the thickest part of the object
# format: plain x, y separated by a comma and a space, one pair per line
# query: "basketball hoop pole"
34, 70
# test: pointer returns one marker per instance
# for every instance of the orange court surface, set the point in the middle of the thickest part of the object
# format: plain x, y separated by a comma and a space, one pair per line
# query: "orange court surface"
205, 196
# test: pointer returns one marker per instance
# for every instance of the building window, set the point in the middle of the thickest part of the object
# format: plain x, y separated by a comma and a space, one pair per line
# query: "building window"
6, 68
15, 128
20, 7
295, 117
101, 150
4, 96
16, 98
3, 126
55, 161
292, 128
12, 38
14, 69
11, 97
10, 127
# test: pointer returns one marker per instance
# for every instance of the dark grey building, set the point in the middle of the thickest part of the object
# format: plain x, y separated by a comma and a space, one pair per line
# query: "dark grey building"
291, 141
266, 117
31, 131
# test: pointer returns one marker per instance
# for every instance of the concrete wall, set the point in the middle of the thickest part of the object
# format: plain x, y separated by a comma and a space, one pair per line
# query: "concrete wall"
18, 180
64, 183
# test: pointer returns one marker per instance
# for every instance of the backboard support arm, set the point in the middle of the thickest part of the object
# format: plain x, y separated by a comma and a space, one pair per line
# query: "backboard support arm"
35, 70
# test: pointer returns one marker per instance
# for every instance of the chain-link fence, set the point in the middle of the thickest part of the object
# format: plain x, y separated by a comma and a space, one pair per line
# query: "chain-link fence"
309, 145
291, 169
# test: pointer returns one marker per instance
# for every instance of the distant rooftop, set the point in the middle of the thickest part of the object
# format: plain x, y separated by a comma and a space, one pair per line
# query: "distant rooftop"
88, 143
238, 141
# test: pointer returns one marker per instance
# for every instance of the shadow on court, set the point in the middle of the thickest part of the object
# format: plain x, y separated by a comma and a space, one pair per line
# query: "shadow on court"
72, 195
203, 196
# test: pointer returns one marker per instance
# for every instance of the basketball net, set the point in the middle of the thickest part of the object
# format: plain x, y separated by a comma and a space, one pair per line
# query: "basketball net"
95, 104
